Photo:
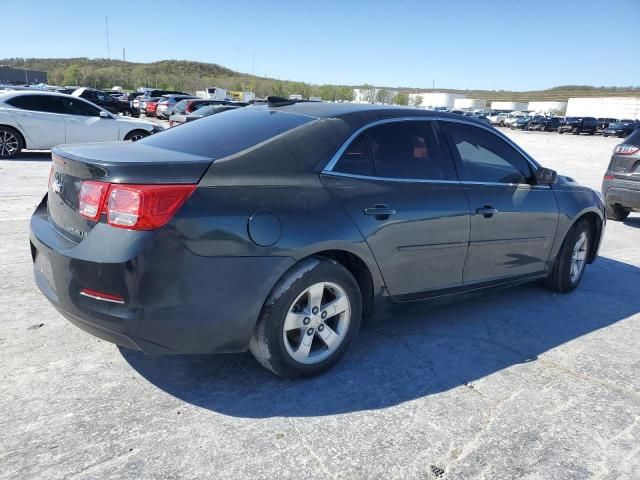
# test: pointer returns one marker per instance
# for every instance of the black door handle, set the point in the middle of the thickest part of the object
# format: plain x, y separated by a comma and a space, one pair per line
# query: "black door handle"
487, 211
381, 211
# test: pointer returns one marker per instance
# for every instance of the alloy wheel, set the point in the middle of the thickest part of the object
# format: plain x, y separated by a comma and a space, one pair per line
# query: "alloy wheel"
317, 323
8, 144
579, 257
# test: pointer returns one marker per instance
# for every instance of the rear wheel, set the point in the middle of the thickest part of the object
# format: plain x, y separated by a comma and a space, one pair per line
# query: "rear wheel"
10, 142
617, 212
309, 320
571, 261
136, 135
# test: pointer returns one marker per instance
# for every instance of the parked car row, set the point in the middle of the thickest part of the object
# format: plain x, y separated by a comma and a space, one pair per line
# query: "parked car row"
188, 110
40, 120
574, 125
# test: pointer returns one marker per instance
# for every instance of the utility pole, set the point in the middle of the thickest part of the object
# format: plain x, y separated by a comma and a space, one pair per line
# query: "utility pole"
106, 23
124, 59
253, 64
26, 75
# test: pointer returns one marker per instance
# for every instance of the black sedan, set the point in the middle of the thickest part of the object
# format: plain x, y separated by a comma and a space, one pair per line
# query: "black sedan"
280, 228
107, 102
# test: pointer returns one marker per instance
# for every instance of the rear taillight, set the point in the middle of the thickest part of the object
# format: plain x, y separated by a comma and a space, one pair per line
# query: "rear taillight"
609, 177
135, 207
104, 296
91, 198
623, 149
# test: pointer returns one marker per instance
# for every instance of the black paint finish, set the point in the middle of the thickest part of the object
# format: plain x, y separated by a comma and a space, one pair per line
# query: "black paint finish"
197, 285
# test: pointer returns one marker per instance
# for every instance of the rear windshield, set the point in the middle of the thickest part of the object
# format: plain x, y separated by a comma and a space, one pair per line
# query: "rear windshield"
221, 135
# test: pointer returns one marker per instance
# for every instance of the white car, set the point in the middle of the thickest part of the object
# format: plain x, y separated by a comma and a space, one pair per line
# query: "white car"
42, 120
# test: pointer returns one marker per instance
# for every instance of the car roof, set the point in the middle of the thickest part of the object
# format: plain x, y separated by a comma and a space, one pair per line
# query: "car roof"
19, 93
371, 112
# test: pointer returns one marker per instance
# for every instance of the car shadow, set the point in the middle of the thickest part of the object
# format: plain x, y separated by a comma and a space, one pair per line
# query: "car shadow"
33, 156
632, 222
418, 352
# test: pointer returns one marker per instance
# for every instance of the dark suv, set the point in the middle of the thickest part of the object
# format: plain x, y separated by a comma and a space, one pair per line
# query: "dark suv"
620, 129
545, 124
106, 101
280, 228
621, 184
578, 125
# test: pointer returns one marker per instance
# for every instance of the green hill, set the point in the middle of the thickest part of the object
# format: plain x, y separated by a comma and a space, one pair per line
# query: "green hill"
192, 76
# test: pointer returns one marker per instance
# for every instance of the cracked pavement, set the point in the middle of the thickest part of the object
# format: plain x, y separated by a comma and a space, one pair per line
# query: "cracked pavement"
520, 383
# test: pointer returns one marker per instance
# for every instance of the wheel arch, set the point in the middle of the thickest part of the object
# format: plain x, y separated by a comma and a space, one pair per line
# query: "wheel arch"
596, 223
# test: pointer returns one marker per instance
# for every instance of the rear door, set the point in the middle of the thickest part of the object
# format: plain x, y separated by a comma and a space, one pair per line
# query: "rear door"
513, 222
404, 195
41, 119
84, 124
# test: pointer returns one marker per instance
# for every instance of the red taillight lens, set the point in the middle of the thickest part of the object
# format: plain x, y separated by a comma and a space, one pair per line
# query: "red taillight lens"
107, 297
91, 198
623, 149
135, 207
609, 177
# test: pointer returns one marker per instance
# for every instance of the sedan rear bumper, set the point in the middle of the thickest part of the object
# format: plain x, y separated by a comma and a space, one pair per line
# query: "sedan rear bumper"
174, 301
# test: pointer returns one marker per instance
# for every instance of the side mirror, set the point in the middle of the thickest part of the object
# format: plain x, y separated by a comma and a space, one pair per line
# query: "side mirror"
546, 176
104, 114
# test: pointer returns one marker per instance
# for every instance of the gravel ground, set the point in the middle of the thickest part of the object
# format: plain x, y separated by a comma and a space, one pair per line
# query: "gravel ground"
517, 384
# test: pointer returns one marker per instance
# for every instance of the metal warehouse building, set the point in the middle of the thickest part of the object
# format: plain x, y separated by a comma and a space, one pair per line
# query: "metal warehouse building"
434, 99
16, 76
607, 107
547, 107
509, 106
469, 103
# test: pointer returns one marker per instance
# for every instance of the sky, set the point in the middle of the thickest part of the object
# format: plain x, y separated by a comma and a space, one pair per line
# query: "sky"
463, 44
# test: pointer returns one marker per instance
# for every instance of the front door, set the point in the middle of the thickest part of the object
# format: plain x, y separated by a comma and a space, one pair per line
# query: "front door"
513, 221
85, 125
405, 198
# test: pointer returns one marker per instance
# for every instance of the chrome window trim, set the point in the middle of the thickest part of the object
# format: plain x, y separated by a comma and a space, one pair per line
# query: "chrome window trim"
425, 180
336, 156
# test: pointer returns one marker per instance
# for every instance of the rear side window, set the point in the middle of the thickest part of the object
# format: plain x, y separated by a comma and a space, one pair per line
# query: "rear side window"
221, 135
356, 159
408, 150
37, 103
485, 157
634, 138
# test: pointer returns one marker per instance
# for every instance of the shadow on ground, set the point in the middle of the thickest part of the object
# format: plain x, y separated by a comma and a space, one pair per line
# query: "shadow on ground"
413, 354
33, 156
632, 222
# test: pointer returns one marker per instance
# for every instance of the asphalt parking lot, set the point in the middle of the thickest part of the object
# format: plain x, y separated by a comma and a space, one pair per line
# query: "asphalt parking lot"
521, 383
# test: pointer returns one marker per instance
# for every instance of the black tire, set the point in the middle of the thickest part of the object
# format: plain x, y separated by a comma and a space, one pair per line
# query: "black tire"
11, 143
136, 135
575, 131
559, 279
605, 135
268, 341
617, 212
560, 132
592, 132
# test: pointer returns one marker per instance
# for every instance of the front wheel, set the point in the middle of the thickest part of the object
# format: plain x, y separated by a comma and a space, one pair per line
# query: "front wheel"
572, 259
309, 320
10, 142
136, 135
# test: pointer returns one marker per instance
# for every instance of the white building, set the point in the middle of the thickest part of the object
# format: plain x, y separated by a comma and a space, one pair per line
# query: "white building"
469, 103
547, 107
434, 99
509, 106
606, 107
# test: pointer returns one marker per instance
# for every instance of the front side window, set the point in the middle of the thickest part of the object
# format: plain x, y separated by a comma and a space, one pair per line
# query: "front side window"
74, 106
485, 157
